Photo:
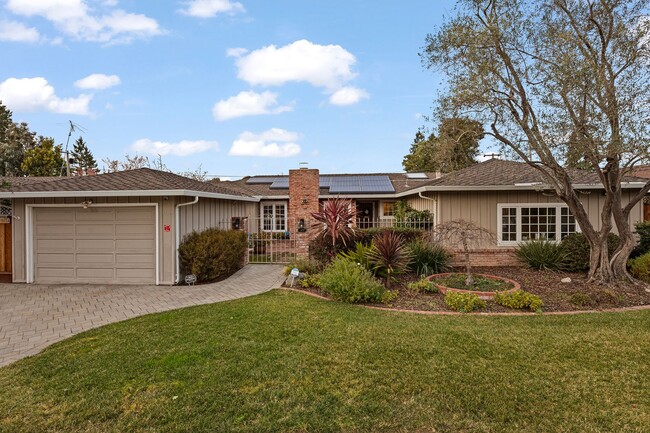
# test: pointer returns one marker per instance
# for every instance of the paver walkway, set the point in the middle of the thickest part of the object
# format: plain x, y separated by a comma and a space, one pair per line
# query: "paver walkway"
34, 316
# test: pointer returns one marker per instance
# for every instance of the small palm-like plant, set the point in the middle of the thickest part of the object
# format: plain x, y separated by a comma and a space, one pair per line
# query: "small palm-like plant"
390, 253
336, 216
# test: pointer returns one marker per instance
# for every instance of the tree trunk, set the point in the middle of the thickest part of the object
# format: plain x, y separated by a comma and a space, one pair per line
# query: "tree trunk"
469, 281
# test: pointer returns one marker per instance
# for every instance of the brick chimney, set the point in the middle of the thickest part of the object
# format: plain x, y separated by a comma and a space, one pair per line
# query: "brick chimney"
303, 200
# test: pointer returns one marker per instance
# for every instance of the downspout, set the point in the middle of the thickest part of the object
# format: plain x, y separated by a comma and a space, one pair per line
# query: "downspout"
178, 234
435, 213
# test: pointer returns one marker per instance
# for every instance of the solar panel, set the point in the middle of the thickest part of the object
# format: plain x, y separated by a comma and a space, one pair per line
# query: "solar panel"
416, 176
359, 184
280, 183
262, 179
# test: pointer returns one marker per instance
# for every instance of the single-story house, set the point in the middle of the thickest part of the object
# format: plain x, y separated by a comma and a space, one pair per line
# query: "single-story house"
125, 227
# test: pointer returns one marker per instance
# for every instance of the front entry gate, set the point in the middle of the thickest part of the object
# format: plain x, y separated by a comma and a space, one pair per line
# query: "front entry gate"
271, 241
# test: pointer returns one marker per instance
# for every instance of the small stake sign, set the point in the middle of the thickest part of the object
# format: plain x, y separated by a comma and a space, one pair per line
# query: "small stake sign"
295, 272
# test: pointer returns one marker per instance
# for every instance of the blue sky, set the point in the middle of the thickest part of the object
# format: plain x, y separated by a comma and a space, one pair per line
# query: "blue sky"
248, 87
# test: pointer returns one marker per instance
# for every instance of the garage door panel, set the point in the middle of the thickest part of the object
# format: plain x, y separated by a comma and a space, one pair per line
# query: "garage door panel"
95, 259
95, 274
54, 230
101, 245
95, 215
139, 274
135, 244
95, 230
60, 274
122, 230
54, 215
50, 258
92, 245
55, 245
139, 259
130, 214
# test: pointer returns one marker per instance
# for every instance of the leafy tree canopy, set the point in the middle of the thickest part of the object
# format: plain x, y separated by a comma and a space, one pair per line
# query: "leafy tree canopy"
455, 147
44, 159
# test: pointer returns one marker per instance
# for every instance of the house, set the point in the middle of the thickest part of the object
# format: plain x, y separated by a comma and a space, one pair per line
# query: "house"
111, 228
125, 227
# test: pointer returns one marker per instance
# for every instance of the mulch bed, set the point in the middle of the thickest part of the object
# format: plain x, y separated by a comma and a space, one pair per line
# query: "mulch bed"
557, 296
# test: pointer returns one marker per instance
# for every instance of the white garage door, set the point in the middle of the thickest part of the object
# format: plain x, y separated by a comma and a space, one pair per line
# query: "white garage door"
100, 245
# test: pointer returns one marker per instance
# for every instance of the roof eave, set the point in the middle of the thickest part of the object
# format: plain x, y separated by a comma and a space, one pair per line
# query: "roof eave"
126, 193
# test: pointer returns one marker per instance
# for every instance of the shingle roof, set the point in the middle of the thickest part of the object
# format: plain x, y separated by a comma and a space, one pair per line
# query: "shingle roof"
399, 181
496, 172
143, 179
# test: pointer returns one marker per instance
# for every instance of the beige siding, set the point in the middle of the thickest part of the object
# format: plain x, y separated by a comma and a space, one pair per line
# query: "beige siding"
212, 213
481, 207
419, 203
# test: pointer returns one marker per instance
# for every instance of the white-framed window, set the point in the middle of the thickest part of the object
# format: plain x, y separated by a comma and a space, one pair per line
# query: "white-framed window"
274, 216
521, 222
388, 209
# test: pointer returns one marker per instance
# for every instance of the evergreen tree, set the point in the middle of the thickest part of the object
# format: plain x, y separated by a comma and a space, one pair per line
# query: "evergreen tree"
83, 157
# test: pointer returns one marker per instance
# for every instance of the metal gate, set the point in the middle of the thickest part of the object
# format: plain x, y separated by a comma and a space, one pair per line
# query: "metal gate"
271, 240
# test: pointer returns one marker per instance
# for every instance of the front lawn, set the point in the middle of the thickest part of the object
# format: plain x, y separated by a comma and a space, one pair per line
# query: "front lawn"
286, 362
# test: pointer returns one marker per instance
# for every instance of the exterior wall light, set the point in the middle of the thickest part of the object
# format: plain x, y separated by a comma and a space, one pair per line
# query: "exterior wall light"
301, 225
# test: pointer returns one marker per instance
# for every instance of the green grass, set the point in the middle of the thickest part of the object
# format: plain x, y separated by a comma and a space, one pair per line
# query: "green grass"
481, 284
287, 362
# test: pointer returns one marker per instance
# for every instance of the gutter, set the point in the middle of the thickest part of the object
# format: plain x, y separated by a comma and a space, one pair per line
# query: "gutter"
178, 234
126, 193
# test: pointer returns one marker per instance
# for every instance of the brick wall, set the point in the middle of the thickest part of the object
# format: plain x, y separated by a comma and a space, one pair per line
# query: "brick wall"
500, 257
303, 200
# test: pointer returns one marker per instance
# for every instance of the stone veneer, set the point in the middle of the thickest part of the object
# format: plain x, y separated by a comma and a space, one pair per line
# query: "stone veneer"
303, 201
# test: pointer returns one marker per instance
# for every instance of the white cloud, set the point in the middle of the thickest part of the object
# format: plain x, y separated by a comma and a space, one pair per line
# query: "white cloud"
34, 94
327, 66
348, 96
248, 104
274, 143
211, 8
98, 82
236, 52
13, 31
74, 18
182, 148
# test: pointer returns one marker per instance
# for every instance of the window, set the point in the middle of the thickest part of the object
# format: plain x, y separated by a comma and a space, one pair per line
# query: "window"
274, 217
520, 223
388, 209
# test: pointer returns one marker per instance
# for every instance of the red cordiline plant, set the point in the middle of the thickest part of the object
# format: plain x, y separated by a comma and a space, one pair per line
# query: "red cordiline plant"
336, 216
390, 253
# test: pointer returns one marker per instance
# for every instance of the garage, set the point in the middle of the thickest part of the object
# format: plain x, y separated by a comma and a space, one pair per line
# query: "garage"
95, 245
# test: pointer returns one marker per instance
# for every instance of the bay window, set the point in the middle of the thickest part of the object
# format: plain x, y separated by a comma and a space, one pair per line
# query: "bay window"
527, 222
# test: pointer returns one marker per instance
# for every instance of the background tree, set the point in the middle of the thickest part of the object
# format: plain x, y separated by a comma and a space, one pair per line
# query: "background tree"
539, 71
15, 139
128, 163
455, 147
84, 160
44, 159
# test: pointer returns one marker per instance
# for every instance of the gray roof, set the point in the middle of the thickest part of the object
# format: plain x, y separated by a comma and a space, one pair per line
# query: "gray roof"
510, 174
139, 181
261, 186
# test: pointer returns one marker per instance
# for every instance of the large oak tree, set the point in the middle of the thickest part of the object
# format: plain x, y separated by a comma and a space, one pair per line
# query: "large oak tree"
553, 78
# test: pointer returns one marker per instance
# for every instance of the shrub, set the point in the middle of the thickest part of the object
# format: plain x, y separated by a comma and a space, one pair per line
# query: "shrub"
464, 302
309, 281
423, 285
580, 299
519, 300
346, 281
643, 230
360, 254
390, 253
409, 234
640, 267
541, 254
212, 254
428, 258
576, 250
307, 266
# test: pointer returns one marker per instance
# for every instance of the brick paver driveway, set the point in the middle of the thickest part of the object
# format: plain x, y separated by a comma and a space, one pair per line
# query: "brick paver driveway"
34, 316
